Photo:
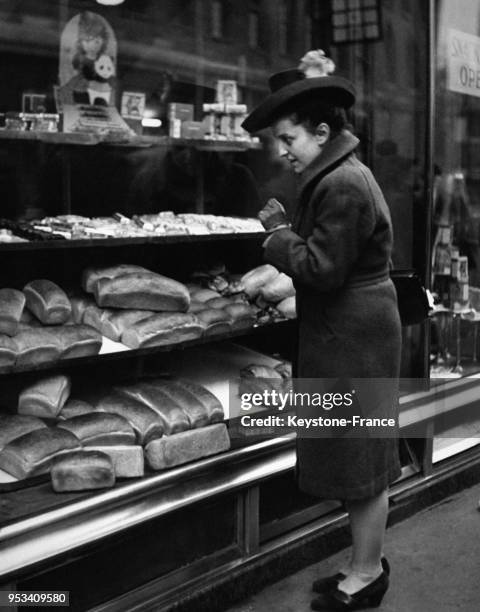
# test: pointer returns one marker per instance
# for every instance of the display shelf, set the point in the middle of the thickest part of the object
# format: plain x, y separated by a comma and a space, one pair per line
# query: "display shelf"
87, 138
114, 353
87, 243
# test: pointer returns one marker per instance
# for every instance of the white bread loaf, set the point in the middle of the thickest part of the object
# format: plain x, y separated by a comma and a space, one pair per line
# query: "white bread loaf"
79, 304
78, 341
142, 291
12, 302
287, 307
214, 321
100, 428
145, 422
196, 412
128, 461
32, 453
36, 345
91, 275
73, 408
242, 315
196, 306
115, 322
44, 398
173, 418
15, 425
162, 329
47, 301
210, 401
255, 279
278, 289
203, 295
187, 446
8, 351
82, 470
218, 303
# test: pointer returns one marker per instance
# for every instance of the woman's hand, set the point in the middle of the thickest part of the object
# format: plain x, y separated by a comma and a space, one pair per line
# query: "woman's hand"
273, 216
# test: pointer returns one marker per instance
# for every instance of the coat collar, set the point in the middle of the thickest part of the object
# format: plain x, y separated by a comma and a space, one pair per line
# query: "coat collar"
337, 148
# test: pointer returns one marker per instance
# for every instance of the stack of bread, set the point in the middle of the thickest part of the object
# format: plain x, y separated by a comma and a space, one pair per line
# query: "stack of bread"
36, 326
142, 309
86, 443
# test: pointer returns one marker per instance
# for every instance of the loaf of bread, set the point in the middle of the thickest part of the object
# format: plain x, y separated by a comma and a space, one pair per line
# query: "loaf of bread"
100, 428
8, 351
257, 278
115, 322
210, 401
242, 315
162, 329
74, 407
278, 289
93, 315
15, 425
214, 321
145, 422
78, 305
173, 418
128, 461
187, 446
287, 308
256, 378
12, 302
32, 453
196, 412
91, 275
44, 398
142, 291
196, 306
47, 301
36, 345
218, 303
203, 295
78, 341
82, 470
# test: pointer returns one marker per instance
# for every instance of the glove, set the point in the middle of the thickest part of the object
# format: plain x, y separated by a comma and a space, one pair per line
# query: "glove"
273, 216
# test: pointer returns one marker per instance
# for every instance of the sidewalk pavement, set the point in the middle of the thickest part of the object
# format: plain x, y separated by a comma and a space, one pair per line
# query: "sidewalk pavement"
435, 561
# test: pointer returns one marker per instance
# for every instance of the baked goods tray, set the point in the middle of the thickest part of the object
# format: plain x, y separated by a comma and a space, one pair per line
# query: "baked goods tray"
112, 351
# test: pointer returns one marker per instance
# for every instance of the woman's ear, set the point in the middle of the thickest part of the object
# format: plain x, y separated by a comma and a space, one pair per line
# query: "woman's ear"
322, 133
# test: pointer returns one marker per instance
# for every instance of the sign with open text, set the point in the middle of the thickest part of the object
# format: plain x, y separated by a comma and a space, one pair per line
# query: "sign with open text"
463, 63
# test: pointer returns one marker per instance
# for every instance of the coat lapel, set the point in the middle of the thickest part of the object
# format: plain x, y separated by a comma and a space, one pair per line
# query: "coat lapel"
335, 150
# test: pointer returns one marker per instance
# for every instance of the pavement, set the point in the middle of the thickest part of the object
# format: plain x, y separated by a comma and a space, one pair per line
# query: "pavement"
434, 557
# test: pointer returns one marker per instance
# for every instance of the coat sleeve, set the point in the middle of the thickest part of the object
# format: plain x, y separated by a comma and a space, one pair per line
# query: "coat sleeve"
344, 219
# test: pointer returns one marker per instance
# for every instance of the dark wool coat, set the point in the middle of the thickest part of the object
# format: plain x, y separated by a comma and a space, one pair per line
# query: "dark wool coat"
337, 253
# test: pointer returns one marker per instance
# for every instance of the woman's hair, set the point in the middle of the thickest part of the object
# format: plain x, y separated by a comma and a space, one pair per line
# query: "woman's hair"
311, 111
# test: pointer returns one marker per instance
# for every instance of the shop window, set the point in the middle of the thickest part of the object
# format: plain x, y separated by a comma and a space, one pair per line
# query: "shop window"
283, 26
253, 30
217, 19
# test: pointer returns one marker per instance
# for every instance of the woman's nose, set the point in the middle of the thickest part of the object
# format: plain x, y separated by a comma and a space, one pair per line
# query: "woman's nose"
282, 151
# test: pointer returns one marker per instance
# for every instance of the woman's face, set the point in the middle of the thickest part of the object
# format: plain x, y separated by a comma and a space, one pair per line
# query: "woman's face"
296, 144
92, 45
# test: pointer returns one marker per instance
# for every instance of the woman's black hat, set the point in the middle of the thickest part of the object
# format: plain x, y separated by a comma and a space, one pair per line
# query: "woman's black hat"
290, 84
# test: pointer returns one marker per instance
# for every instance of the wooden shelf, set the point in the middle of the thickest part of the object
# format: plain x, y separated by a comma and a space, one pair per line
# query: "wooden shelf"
88, 243
88, 139
64, 364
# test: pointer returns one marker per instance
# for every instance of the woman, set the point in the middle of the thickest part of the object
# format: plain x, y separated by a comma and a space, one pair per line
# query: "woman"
337, 252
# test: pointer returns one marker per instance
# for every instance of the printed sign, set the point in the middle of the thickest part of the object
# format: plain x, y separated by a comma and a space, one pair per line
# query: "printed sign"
463, 63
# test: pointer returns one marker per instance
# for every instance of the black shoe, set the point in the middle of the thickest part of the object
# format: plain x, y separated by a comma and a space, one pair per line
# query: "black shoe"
330, 582
369, 597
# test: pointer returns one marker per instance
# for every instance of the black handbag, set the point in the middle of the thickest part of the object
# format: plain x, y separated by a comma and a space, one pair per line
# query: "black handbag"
412, 297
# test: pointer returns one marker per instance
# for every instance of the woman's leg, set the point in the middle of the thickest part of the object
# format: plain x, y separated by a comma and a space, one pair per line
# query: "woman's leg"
368, 519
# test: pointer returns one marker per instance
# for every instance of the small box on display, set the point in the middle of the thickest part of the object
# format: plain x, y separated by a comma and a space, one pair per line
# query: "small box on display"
227, 92
192, 129
181, 111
